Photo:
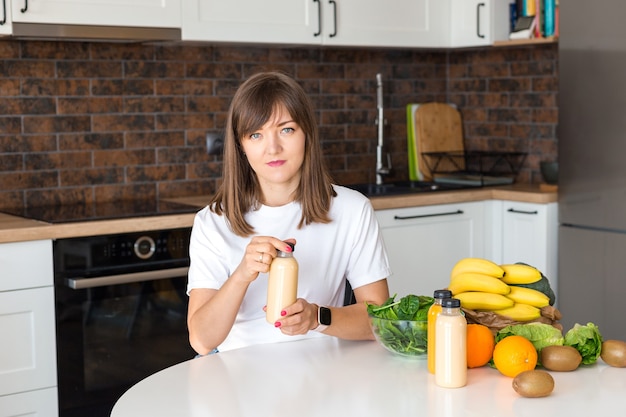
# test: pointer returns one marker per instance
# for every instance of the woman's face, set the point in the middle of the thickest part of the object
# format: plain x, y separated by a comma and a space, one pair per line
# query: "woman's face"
276, 152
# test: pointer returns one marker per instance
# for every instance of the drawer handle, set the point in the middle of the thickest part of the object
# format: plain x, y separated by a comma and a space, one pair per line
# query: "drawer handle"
419, 216
512, 210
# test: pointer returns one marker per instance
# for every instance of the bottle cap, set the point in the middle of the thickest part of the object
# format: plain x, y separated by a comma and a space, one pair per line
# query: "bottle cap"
285, 254
451, 303
442, 294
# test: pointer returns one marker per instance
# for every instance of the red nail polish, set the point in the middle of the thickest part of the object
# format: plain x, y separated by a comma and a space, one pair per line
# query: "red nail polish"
288, 249
283, 313
277, 324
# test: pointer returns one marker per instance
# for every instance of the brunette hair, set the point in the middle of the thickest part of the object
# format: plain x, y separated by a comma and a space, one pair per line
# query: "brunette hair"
253, 104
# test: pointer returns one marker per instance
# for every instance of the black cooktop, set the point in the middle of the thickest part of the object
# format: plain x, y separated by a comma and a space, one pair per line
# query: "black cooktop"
68, 213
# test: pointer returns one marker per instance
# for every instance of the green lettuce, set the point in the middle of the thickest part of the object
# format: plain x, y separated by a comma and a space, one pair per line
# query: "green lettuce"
587, 340
540, 334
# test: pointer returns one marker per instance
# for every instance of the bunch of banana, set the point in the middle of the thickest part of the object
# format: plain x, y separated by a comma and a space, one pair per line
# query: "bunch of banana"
483, 285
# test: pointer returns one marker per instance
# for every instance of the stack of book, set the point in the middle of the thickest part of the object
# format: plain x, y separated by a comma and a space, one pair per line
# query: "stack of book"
534, 19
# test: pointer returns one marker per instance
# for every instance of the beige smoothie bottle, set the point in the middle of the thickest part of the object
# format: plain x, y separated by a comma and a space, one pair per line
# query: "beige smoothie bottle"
450, 345
282, 287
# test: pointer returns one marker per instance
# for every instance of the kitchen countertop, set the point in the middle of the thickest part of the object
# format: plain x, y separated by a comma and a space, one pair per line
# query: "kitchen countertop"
17, 229
332, 377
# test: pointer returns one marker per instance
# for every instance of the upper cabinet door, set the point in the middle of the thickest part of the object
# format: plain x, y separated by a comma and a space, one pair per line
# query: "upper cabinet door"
132, 13
5, 18
478, 22
246, 21
390, 23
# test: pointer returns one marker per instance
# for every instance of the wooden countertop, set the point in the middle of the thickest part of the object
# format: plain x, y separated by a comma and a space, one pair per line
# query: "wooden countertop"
521, 193
17, 229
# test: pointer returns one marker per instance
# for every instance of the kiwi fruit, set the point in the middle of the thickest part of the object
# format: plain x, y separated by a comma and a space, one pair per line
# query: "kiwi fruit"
533, 384
613, 353
560, 358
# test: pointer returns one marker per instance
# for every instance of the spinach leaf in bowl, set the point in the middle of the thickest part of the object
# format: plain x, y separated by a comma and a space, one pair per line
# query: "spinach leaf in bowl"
409, 307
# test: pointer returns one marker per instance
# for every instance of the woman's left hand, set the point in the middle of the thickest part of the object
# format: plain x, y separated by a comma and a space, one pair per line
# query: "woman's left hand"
298, 318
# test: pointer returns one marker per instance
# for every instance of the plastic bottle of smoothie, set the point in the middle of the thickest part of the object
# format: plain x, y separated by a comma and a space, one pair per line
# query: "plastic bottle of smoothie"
433, 312
451, 345
282, 285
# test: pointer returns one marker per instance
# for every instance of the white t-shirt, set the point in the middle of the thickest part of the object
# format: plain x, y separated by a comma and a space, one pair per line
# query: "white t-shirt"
350, 247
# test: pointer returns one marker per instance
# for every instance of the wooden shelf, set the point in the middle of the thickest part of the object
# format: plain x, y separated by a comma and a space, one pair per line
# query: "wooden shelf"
531, 41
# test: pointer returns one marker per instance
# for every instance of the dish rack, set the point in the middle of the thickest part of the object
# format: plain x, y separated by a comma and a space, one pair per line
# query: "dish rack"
475, 167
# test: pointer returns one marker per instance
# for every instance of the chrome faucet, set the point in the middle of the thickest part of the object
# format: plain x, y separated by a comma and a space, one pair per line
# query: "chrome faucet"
381, 169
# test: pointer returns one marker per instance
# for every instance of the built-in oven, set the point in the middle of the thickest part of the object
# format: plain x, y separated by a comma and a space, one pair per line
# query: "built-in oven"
121, 312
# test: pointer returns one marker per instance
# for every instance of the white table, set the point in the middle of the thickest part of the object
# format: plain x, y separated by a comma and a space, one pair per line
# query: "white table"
330, 377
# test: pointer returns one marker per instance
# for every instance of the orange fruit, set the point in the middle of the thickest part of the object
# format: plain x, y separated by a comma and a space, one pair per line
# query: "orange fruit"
480, 344
514, 354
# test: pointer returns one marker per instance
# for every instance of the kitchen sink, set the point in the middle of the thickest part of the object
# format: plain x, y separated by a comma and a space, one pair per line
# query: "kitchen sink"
404, 187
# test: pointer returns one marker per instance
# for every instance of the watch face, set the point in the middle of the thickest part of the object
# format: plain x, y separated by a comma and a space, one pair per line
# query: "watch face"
325, 316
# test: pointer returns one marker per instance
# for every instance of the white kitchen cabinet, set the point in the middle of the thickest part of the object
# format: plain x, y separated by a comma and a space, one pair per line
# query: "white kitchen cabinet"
40, 403
28, 383
390, 23
6, 23
529, 234
246, 21
424, 243
130, 13
393, 23
478, 22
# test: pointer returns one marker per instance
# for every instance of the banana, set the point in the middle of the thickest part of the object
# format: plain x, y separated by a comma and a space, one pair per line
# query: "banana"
471, 281
528, 296
520, 312
520, 274
480, 300
478, 266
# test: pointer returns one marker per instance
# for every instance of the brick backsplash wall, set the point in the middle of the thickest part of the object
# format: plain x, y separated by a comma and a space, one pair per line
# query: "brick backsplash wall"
83, 121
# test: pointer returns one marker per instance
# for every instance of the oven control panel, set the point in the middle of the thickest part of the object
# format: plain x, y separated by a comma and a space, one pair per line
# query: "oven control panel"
127, 251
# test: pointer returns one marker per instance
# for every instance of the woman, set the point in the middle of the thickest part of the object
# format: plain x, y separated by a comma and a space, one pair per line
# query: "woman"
275, 190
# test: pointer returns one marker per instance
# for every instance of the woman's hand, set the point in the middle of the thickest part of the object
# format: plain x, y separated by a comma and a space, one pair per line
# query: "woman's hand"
298, 318
259, 255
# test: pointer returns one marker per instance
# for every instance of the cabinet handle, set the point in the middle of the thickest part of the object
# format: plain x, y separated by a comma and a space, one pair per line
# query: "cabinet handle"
478, 20
319, 18
419, 216
23, 10
4, 11
512, 210
334, 3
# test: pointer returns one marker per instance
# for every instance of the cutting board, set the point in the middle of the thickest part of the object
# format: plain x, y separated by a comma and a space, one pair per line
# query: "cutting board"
438, 128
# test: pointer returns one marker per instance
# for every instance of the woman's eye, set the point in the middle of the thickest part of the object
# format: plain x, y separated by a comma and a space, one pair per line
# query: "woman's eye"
288, 130
255, 136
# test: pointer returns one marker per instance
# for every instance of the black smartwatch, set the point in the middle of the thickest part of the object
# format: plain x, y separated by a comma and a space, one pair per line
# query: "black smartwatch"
323, 318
